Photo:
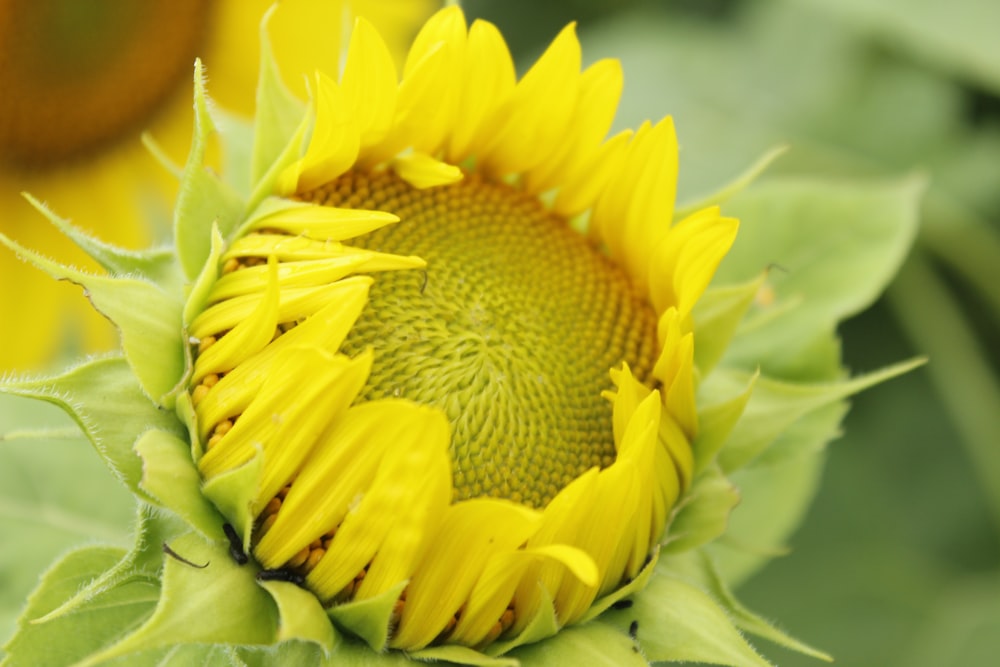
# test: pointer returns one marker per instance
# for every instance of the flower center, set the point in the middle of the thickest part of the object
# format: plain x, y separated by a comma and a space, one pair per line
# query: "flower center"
511, 330
77, 75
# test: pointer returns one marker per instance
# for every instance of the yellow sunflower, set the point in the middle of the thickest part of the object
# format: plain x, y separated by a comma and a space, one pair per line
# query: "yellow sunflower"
81, 81
425, 376
452, 395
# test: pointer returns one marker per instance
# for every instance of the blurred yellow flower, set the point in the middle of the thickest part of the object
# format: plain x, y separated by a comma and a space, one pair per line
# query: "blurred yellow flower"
81, 81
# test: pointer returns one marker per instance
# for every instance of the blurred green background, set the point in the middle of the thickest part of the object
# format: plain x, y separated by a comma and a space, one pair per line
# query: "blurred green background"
898, 560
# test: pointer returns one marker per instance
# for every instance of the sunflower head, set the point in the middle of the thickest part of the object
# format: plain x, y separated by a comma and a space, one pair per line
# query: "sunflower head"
433, 364
448, 390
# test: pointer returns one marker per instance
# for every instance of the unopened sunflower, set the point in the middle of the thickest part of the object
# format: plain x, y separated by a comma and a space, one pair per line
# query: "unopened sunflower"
433, 371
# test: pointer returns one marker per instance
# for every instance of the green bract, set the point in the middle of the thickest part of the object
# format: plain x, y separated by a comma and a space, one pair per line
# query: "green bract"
771, 395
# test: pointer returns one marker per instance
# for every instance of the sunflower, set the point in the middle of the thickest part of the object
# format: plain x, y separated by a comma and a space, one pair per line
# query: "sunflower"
424, 384
444, 383
81, 81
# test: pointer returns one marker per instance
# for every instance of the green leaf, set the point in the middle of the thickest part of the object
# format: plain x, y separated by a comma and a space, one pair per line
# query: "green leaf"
541, 627
736, 186
203, 199
182, 655
147, 317
631, 588
157, 265
838, 245
203, 284
354, 653
704, 513
369, 619
697, 568
170, 477
776, 405
235, 134
71, 637
717, 316
301, 615
104, 398
676, 621
48, 502
142, 563
218, 603
594, 643
776, 497
461, 655
716, 420
233, 493
841, 243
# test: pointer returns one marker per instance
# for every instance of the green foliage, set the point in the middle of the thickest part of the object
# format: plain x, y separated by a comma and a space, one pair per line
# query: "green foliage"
812, 251
204, 200
47, 503
857, 90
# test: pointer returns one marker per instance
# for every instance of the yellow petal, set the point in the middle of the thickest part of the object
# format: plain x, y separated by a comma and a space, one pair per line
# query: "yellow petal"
562, 523
686, 258
289, 275
341, 469
488, 78
608, 218
428, 93
669, 330
668, 481
579, 190
286, 248
680, 400
312, 414
295, 304
639, 445
283, 247
326, 329
531, 124
600, 90
410, 491
305, 386
335, 141
324, 223
678, 446
422, 171
447, 25
635, 211
495, 589
605, 535
628, 395
369, 82
471, 532
248, 337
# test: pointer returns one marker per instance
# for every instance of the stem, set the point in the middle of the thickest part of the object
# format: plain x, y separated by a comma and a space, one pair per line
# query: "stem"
958, 367
966, 244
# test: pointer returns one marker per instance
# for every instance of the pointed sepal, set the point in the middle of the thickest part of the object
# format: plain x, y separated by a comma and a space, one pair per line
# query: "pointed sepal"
206, 598
157, 265
203, 199
675, 621
147, 317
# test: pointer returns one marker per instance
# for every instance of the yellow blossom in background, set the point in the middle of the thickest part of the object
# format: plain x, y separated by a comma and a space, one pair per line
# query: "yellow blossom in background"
81, 81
